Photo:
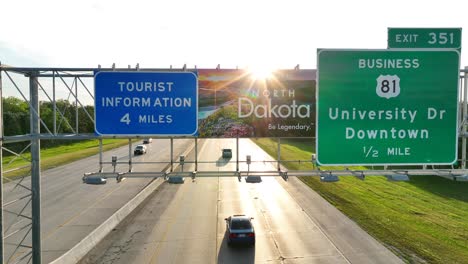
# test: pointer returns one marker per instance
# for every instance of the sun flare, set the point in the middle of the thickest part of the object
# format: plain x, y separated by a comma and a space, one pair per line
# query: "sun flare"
261, 72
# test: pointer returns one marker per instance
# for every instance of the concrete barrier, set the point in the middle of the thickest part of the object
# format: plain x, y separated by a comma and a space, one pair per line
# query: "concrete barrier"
83, 247
89, 242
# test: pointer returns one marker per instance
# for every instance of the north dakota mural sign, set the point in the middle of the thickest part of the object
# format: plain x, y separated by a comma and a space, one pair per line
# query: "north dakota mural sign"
232, 103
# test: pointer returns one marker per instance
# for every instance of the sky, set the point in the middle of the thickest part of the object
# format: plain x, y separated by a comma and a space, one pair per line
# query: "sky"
243, 33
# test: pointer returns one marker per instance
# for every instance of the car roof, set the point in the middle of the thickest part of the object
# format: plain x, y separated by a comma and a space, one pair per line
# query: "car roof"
240, 222
239, 217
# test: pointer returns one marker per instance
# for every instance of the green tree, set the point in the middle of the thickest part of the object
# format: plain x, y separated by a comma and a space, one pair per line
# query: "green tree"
15, 116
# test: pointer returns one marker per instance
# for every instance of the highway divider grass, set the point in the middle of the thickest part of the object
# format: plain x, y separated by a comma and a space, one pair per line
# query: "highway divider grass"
424, 220
56, 156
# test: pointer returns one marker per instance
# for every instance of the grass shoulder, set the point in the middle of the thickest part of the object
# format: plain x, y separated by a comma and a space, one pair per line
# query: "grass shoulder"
423, 220
14, 166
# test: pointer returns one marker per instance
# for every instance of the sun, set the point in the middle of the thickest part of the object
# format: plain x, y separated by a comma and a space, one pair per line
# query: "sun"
260, 72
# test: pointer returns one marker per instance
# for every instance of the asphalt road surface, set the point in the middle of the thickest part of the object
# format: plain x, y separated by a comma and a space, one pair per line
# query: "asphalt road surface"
184, 223
71, 209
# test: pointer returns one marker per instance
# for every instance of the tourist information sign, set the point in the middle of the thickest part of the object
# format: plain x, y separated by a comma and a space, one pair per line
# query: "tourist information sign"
146, 103
387, 107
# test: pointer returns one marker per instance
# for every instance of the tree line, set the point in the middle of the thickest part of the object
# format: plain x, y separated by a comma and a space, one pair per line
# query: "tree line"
17, 121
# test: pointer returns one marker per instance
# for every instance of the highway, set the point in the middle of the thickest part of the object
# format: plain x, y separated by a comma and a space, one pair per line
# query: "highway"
184, 223
71, 209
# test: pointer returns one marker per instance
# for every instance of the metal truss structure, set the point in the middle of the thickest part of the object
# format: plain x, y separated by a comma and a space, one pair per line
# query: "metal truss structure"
20, 217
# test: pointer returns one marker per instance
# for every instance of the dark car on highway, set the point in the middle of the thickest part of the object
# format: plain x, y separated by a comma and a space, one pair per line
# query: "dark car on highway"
227, 153
176, 179
253, 178
240, 230
94, 180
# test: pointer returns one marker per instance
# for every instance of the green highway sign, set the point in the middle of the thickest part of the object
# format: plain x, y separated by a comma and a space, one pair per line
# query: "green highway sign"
387, 107
424, 38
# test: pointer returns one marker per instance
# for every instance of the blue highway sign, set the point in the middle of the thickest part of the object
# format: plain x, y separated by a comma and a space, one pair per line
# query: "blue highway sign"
146, 103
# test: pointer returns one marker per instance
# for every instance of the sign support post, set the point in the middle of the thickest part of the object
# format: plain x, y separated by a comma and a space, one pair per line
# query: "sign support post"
35, 170
465, 117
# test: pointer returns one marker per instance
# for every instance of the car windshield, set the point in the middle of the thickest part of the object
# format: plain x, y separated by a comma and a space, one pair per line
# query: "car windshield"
241, 224
139, 147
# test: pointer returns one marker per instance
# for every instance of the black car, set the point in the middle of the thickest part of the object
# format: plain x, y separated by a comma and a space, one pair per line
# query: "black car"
253, 178
240, 230
176, 179
94, 180
227, 153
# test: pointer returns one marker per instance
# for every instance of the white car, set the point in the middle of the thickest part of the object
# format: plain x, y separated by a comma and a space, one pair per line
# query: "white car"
140, 149
147, 140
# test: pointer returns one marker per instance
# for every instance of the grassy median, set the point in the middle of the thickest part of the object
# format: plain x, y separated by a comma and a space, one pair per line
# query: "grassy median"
56, 156
424, 220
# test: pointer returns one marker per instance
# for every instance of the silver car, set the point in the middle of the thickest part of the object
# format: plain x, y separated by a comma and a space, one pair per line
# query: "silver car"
140, 149
147, 140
